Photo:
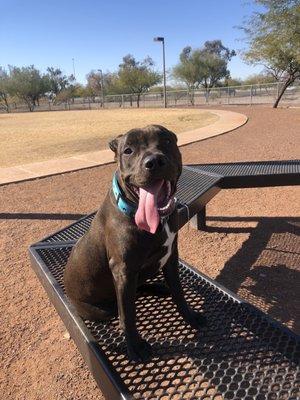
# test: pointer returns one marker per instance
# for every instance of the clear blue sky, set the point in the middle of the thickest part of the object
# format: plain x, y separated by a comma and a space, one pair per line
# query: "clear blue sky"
97, 34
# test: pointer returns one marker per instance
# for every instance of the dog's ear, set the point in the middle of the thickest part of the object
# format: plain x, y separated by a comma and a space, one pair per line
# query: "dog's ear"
174, 136
165, 130
113, 144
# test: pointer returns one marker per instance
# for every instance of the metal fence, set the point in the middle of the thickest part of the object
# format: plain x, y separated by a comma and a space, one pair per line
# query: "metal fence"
247, 94
229, 95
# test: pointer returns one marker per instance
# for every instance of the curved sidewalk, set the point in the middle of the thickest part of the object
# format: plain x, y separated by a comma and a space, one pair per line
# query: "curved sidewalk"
228, 121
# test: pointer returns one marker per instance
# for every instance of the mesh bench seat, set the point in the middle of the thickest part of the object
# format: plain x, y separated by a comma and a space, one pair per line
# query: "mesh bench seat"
241, 354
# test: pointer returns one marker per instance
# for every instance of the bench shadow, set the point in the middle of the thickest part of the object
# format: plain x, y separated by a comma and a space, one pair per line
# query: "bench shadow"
265, 270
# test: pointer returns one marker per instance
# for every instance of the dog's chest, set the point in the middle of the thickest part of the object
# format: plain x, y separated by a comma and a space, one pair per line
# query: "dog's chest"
167, 244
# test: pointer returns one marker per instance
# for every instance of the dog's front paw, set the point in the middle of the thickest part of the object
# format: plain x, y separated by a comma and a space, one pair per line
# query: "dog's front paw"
138, 349
195, 319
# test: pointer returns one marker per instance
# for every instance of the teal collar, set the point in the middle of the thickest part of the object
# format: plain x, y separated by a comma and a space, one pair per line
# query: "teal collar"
125, 206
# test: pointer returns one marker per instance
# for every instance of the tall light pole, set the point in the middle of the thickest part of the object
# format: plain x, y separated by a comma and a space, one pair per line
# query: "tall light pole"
102, 86
73, 62
162, 39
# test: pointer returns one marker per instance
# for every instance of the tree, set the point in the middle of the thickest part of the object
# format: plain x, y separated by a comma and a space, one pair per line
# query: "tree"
273, 37
205, 66
137, 76
189, 69
68, 94
113, 84
4, 89
215, 57
28, 84
94, 84
57, 81
232, 82
261, 82
257, 79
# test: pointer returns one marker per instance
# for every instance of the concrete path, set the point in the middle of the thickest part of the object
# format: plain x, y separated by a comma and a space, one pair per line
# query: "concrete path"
227, 122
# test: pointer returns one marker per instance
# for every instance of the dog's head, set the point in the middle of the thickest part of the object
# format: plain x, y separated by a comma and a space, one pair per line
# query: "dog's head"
149, 164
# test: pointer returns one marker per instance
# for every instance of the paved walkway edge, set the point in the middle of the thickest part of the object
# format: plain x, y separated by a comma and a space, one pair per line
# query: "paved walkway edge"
227, 122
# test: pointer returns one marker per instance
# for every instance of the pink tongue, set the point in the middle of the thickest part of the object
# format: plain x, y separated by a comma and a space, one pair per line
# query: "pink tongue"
147, 217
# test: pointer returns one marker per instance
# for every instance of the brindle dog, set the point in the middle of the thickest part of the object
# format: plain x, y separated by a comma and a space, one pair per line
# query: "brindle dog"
120, 251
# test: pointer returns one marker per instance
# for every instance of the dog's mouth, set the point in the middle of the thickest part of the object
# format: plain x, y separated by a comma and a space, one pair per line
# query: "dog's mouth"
154, 201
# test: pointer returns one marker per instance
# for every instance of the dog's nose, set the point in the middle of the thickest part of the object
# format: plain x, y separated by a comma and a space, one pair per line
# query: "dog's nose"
154, 161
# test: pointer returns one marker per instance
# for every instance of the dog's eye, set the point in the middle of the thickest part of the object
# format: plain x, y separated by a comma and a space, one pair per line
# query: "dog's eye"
128, 150
167, 141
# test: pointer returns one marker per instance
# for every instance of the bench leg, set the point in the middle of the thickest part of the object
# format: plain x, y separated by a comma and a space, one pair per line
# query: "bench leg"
198, 221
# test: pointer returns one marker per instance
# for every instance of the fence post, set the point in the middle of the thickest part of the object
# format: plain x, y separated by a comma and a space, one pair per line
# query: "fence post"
228, 95
251, 92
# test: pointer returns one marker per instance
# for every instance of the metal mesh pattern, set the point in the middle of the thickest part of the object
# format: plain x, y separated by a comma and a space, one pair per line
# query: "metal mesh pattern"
239, 355
250, 168
73, 232
192, 185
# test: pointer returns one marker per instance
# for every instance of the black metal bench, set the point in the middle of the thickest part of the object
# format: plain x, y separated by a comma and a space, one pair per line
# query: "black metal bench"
242, 354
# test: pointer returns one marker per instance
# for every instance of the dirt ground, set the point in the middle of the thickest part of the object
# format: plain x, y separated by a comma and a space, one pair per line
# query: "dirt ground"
32, 137
252, 246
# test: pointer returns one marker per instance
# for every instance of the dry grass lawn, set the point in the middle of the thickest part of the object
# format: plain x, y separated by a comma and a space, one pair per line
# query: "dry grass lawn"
31, 137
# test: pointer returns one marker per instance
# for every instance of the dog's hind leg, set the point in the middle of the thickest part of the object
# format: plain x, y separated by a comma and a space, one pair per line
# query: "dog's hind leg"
94, 313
